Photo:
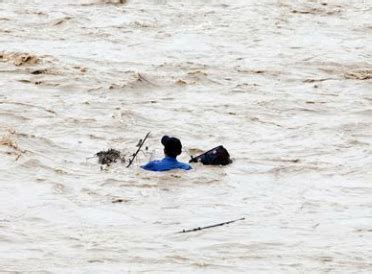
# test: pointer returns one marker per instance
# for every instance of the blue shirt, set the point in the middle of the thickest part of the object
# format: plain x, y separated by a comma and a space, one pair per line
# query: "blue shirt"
168, 163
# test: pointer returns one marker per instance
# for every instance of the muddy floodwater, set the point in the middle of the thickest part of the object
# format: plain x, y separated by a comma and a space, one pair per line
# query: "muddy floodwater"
284, 85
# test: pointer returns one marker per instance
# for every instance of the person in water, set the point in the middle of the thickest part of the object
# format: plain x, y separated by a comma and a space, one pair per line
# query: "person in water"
172, 148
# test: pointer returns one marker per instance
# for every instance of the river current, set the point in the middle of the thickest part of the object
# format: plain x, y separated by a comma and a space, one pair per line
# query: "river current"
284, 85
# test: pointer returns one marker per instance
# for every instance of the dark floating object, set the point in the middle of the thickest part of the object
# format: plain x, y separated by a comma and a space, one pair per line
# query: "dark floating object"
110, 156
39, 71
210, 226
118, 201
216, 156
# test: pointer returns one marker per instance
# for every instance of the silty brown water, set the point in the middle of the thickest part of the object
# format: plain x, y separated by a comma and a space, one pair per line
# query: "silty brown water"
284, 85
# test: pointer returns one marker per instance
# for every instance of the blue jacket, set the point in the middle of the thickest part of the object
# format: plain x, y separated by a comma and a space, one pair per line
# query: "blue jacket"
165, 164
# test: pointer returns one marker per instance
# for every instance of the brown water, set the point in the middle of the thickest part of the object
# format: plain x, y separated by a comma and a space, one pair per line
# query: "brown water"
284, 85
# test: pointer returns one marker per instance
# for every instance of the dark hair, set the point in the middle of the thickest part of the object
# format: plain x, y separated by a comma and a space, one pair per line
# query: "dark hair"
172, 146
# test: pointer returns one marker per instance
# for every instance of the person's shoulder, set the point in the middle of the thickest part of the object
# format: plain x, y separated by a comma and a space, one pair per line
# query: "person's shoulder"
151, 165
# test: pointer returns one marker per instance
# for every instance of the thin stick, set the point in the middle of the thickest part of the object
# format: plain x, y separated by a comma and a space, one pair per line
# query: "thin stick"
210, 226
28, 105
138, 150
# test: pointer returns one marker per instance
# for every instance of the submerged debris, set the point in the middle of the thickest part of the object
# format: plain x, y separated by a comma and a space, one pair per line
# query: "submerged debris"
359, 74
19, 58
9, 141
110, 156
115, 201
39, 71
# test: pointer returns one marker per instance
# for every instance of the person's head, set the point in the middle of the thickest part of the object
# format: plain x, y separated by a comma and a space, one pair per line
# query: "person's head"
172, 146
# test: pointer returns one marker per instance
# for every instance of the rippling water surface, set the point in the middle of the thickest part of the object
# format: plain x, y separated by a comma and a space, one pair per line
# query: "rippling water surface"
284, 85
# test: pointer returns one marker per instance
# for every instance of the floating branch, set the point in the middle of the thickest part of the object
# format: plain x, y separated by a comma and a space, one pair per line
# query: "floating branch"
210, 226
109, 156
28, 105
139, 145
